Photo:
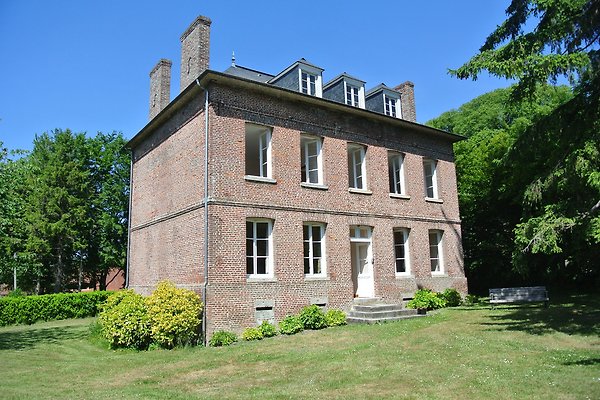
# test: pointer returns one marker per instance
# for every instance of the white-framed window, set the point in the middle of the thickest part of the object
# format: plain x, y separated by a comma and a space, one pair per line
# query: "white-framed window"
258, 150
401, 251
396, 172
357, 169
314, 248
436, 256
308, 83
259, 248
430, 173
352, 95
391, 106
311, 160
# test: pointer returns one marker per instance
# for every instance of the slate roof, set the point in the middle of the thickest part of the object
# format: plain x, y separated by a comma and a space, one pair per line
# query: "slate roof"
247, 73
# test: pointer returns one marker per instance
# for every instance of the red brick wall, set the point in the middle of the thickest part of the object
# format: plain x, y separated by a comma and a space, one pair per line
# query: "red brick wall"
168, 181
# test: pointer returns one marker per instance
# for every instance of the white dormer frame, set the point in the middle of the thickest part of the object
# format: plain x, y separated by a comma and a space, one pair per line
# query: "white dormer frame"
311, 72
357, 85
391, 101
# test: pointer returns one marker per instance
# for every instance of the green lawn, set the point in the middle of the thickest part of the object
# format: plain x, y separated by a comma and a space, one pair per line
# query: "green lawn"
464, 353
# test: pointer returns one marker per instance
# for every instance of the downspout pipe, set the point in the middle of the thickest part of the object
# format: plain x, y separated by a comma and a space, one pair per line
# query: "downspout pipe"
205, 201
129, 221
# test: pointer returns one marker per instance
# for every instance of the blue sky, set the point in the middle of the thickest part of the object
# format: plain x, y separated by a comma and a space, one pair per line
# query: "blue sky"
84, 65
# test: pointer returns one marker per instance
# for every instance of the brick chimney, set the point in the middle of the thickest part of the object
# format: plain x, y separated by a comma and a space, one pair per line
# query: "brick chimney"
160, 87
407, 100
195, 49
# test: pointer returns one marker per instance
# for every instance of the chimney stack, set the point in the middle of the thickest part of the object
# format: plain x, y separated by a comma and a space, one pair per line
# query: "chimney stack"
195, 49
160, 87
407, 100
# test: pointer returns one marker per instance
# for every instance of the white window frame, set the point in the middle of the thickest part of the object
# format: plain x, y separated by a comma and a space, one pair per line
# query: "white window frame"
430, 178
357, 166
436, 261
311, 242
305, 155
312, 90
392, 106
396, 173
406, 256
254, 256
264, 136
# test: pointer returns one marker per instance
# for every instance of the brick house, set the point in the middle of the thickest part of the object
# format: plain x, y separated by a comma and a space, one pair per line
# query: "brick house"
266, 193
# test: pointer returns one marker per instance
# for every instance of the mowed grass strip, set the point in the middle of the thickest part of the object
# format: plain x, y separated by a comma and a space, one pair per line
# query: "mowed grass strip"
476, 353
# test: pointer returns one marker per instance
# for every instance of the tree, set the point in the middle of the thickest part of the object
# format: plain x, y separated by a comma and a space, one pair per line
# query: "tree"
109, 173
488, 211
60, 191
554, 165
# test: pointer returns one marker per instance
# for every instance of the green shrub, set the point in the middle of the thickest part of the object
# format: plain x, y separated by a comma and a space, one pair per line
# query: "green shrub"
335, 317
267, 329
471, 300
427, 300
49, 307
174, 315
222, 338
16, 293
124, 320
313, 317
452, 297
291, 325
252, 334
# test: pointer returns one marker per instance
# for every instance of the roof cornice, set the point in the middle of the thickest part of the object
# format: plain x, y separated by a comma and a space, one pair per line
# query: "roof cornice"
210, 77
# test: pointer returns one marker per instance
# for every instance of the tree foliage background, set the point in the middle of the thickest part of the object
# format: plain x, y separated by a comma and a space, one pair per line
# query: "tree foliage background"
63, 211
529, 174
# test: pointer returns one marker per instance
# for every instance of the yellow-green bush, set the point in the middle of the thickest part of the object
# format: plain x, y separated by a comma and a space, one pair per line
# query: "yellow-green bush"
174, 315
124, 320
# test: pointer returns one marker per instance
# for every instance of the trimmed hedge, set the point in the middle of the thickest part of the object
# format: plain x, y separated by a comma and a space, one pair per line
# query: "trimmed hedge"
49, 307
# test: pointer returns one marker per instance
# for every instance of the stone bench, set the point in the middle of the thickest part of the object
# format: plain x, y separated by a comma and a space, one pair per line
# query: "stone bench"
534, 294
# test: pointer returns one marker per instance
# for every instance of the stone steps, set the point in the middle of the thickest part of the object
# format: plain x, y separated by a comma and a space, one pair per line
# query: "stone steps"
370, 311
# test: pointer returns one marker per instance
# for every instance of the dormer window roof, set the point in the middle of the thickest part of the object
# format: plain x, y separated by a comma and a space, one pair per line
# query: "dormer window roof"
346, 89
301, 76
384, 100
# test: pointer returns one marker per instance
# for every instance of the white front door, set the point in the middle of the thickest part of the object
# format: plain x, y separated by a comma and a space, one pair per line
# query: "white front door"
362, 263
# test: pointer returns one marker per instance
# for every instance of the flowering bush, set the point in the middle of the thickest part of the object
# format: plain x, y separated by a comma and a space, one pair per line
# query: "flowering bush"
174, 315
124, 320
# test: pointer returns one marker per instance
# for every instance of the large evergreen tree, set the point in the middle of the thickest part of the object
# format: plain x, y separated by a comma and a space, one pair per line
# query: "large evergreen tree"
554, 166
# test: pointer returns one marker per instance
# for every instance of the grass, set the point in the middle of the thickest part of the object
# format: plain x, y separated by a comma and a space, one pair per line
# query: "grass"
467, 353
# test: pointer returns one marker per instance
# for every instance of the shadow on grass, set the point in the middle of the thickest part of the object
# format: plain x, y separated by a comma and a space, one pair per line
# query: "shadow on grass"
26, 339
589, 361
573, 315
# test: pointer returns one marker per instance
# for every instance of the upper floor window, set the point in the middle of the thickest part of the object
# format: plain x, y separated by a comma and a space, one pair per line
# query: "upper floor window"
352, 95
258, 151
357, 171
391, 106
314, 248
396, 173
308, 83
435, 252
401, 251
259, 248
430, 172
311, 160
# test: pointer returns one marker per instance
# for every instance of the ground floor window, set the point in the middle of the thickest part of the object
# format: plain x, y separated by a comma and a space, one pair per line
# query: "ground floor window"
259, 248
401, 251
314, 248
435, 252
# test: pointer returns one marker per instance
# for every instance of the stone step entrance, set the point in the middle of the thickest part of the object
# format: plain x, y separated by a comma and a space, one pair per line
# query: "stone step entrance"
374, 310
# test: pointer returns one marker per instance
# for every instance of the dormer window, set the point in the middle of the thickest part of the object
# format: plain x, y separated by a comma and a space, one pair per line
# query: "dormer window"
352, 97
391, 105
301, 76
308, 83
384, 100
346, 89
